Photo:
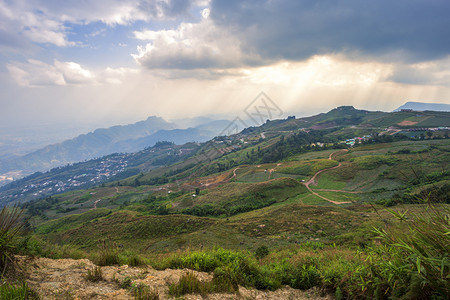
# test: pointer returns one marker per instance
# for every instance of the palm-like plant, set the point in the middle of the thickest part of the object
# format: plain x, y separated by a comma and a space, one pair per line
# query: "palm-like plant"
11, 226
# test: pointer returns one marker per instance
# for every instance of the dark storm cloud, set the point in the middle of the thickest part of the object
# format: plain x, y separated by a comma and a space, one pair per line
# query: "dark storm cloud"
286, 29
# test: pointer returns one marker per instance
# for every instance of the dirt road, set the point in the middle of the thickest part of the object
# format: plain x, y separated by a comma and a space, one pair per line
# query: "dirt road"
313, 180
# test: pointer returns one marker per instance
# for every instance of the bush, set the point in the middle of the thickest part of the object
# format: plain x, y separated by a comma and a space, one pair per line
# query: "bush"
132, 259
33, 246
11, 226
108, 254
261, 252
144, 292
306, 277
126, 283
188, 284
17, 292
95, 274
224, 281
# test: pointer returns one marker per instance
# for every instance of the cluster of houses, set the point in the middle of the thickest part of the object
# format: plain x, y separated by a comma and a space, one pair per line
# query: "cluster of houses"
102, 170
427, 129
357, 140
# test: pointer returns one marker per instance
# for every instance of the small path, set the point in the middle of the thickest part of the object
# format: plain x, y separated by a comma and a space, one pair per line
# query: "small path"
234, 173
339, 191
313, 180
95, 203
273, 170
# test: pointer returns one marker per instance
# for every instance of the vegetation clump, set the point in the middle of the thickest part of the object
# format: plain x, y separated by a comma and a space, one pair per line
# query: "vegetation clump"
9, 291
144, 292
95, 274
11, 226
190, 284
108, 254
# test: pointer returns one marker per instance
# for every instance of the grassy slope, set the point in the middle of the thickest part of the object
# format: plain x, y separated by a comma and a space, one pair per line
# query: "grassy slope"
290, 219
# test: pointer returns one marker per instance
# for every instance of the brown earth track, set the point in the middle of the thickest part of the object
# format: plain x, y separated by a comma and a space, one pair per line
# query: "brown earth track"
313, 180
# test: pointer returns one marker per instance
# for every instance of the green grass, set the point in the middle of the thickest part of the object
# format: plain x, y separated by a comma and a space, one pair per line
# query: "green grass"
340, 197
234, 198
315, 200
370, 162
307, 168
72, 221
20, 291
328, 181
410, 261
128, 228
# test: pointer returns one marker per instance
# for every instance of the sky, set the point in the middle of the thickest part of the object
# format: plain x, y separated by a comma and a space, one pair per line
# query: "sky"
120, 61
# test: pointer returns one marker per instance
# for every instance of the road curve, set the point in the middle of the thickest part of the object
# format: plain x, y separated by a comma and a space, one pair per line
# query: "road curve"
312, 180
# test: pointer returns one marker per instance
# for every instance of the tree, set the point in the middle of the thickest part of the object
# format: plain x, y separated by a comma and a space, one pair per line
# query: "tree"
197, 191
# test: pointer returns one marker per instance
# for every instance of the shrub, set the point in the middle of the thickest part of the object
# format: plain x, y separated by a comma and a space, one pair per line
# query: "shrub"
108, 254
17, 292
11, 227
305, 277
188, 284
132, 259
261, 252
144, 292
33, 246
95, 274
224, 280
126, 283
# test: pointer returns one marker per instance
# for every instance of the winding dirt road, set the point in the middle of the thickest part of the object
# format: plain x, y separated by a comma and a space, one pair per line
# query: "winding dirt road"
313, 180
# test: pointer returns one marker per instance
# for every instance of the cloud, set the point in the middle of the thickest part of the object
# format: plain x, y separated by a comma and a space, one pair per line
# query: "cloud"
19, 20
410, 30
36, 73
424, 73
191, 46
48, 22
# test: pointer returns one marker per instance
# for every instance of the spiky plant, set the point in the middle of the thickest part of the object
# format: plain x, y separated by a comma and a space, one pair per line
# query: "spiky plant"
11, 226
421, 253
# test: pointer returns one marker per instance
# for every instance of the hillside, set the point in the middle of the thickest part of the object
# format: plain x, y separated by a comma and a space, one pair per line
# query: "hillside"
329, 180
336, 128
93, 172
117, 139
272, 206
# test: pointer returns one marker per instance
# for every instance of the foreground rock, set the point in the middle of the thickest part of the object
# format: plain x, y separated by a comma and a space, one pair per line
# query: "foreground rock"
67, 279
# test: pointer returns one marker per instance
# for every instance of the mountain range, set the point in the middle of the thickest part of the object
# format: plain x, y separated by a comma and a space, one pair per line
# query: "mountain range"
115, 139
422, 106
342, 125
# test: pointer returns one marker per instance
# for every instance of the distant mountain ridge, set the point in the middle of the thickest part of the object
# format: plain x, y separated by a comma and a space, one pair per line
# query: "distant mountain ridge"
115, 139
337, 125
135, 137
422, 106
